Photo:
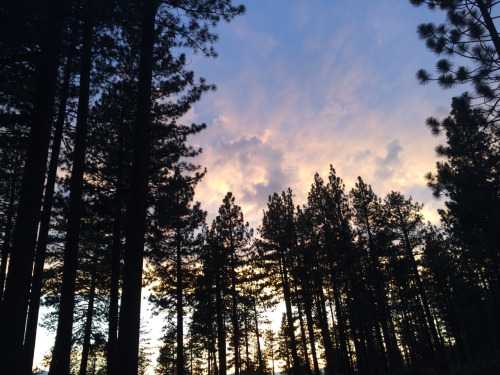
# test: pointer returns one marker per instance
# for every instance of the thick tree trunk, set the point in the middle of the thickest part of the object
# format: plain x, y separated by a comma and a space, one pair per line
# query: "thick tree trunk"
16, 295
60, 363
130, 311
43, 233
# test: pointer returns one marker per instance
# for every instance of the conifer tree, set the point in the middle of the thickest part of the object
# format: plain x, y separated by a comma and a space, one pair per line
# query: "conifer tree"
468, 179
190, 25
469, 32
367, 210
278, 233
178, 220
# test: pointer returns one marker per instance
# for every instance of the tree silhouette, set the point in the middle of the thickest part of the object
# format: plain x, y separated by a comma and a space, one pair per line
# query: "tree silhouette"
469, 33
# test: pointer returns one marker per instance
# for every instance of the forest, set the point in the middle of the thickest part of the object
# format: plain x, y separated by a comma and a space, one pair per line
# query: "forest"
98, 212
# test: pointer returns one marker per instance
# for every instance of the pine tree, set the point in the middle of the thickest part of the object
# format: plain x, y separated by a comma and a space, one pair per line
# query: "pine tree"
469, 32
405, 219
367, 210
178, 220
278, 233
468, 179
190, 23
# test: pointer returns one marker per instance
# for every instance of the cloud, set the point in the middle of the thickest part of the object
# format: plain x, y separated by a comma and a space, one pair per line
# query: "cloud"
250, 167
391, 161
318, 91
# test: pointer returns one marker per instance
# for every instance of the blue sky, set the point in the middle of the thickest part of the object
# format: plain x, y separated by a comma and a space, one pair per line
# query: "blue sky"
305, 84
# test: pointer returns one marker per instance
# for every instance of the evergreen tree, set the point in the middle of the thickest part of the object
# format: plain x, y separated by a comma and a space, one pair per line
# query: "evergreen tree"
178, 220
372, 236
190, 25
233, 236
405, 219
279, 239
468, 178
330, 215
470, 32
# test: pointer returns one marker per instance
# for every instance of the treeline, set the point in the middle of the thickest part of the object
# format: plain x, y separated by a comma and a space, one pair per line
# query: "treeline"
97, 202
368, 288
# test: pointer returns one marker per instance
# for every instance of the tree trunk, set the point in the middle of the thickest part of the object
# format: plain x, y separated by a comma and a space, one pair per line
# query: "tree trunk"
421, 290
9, 223
60, 363
308, 305
221, 331
116, 250
303, 334
490, 25
257, 335
130, 311
394, 356
43, 233
180, 312
88, 325
236, 329
216, 368
16, 295
344, 354
247, 351
288, 304
325, 332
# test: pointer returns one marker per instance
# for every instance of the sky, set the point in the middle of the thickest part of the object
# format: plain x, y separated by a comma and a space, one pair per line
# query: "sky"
305, 84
